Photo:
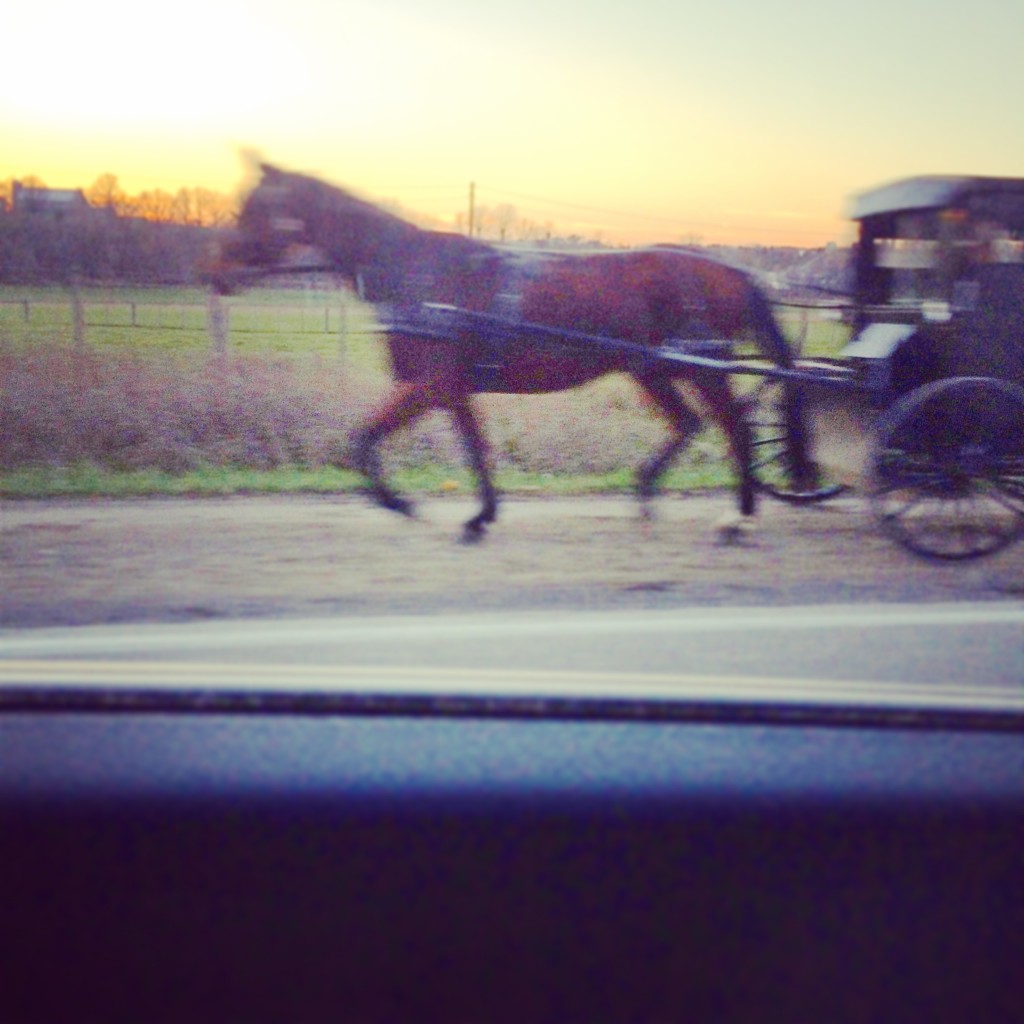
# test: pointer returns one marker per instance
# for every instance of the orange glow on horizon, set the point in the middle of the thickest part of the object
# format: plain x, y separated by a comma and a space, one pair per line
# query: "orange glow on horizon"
564, 218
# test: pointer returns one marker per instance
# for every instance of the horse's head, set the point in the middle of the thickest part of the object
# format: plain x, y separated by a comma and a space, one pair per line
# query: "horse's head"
386, 258
287, 210
271, 222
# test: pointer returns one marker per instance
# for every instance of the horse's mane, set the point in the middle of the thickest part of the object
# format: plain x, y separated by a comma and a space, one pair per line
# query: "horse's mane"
324, 198
388, 256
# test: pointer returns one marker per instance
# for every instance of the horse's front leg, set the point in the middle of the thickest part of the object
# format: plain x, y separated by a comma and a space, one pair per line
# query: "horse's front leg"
468, 425
405, 404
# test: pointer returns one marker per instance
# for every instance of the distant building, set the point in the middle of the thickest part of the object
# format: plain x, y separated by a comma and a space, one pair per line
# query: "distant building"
58, 203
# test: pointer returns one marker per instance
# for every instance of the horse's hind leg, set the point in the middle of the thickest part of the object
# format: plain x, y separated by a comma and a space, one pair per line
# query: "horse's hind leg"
478, 450
730, 416
684, 423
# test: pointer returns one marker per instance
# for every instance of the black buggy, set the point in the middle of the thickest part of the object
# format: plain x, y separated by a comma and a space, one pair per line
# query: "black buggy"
929, 389
924, 408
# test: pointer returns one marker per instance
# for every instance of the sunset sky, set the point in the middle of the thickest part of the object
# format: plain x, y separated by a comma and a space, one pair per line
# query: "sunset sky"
649, 120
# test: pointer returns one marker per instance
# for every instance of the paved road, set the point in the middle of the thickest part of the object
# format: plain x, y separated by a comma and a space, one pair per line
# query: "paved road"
936, 655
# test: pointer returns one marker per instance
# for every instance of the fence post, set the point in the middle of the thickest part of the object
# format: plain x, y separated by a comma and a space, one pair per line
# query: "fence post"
342, 318
217, 321
77, 315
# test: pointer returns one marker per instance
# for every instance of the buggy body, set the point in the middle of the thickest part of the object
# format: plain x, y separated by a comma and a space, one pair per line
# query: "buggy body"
938, 274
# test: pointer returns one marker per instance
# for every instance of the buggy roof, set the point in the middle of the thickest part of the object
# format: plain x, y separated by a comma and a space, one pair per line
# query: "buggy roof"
928, 192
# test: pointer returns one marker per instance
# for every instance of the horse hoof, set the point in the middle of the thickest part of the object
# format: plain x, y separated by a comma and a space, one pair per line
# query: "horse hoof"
734, 529
473, 532
394, 503
645, 492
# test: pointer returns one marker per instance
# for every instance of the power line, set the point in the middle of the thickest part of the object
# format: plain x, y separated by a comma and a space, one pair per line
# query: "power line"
447, 188
678, 222
603, 211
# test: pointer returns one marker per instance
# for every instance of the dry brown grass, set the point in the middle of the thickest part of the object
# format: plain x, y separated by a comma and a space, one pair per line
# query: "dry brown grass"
167, 411
125, 411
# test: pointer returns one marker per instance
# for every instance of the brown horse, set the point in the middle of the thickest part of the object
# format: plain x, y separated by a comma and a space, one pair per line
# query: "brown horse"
640, 299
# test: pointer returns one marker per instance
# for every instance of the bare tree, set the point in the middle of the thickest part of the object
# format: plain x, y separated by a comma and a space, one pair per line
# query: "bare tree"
183, 207
212, 209
105, 192
153, 205
527, 230
505, 218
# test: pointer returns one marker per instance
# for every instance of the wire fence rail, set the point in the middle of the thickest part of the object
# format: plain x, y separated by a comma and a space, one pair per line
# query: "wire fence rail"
328, 319
307, 318
83, 317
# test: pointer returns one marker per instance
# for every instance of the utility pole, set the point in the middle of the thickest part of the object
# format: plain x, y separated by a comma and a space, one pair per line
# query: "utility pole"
472, 207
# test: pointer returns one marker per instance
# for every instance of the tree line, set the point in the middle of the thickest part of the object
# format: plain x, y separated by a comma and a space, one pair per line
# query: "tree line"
155, 237
150, 238
198, 207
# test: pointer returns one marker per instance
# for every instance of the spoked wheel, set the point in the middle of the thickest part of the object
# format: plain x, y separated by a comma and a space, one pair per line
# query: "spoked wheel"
782, 464
949, 468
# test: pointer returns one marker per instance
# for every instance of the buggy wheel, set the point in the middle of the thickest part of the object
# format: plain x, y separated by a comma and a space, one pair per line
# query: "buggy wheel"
781, 464
948, 468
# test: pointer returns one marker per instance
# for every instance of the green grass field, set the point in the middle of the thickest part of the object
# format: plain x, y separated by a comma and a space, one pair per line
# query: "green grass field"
292, 322
144, 407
